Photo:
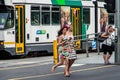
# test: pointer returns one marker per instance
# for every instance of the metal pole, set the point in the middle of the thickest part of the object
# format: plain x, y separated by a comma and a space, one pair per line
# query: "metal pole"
87, 36
96, 17
96, 21
117, 24
98, 47
95, 2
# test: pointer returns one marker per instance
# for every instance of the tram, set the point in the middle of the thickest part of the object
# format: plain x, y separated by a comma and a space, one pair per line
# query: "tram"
32, 25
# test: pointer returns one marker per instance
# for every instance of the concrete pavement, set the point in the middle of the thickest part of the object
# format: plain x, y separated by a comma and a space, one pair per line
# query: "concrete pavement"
93, 58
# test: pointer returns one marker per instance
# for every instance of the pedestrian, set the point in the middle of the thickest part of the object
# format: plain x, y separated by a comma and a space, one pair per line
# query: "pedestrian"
62, 50
72, 53
107, 45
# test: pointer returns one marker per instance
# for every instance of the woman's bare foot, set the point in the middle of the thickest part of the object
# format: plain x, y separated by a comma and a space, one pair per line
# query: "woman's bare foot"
53, 69
67, 75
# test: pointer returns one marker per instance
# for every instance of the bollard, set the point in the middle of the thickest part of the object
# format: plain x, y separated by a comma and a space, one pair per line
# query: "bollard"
55, 52
77, 43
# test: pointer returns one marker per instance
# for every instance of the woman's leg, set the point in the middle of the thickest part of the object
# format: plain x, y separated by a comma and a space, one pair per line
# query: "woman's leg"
71, 61
105, 57
104, 48
109, 55
67, 67
58, 64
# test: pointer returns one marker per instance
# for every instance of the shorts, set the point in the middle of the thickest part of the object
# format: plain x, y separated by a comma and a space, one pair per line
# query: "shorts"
61, 56
106, 49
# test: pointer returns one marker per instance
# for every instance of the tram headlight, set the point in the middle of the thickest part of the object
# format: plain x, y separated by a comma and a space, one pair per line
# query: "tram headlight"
1, 43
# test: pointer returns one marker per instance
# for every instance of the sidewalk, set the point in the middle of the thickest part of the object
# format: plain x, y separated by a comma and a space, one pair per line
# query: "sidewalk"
93, 58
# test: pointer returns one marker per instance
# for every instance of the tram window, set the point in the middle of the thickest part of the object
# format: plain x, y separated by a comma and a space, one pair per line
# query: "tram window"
55, 18
46, 8
55, 15
86, 15
35, 15
10, 20
6, 19
55, 9
111, 19
45, 15
3, 18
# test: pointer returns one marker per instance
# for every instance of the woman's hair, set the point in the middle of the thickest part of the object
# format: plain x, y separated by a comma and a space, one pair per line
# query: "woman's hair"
60, 32
109, 27
113, 29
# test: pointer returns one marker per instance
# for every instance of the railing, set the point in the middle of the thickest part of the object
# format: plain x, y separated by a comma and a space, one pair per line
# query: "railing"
88, 38
78, 38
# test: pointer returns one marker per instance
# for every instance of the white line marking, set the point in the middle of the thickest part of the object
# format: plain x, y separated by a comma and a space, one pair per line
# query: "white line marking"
74, 65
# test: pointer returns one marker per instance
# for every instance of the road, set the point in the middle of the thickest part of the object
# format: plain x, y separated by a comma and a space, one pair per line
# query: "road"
40, 69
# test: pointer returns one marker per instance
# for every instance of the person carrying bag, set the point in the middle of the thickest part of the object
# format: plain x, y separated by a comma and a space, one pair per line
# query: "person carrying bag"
107, 45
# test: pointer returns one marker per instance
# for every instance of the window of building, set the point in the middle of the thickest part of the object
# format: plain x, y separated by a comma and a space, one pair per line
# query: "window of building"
35, 15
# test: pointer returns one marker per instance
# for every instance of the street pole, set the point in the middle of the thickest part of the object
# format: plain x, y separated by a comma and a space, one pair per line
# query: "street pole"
96, 23
117, 24
96, 15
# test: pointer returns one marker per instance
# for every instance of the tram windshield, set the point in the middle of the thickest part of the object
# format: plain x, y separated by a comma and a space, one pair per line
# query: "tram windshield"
6, 19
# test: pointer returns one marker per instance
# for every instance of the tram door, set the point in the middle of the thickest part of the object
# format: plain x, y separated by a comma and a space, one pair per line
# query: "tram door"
19, 27
76, 24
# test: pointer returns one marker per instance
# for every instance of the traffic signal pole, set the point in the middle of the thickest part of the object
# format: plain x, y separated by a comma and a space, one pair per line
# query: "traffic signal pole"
117, 24
96, 16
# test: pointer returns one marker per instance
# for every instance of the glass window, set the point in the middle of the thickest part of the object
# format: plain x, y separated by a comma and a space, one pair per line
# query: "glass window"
46, 8
86, 15
10, 20
55, 8
3, 18
6, 19
55, 15
45, 15
111, 19
35, 15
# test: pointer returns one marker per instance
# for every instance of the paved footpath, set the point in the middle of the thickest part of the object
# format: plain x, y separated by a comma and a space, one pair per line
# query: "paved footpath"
93, 58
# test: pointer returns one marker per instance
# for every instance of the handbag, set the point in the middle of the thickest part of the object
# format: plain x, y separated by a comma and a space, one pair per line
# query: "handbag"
100, 38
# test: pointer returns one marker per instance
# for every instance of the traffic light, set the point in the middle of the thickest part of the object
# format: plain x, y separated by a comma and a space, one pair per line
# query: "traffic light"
110, 6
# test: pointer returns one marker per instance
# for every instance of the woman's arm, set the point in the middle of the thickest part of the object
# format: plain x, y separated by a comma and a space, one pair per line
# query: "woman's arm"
104, 35
60, 41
